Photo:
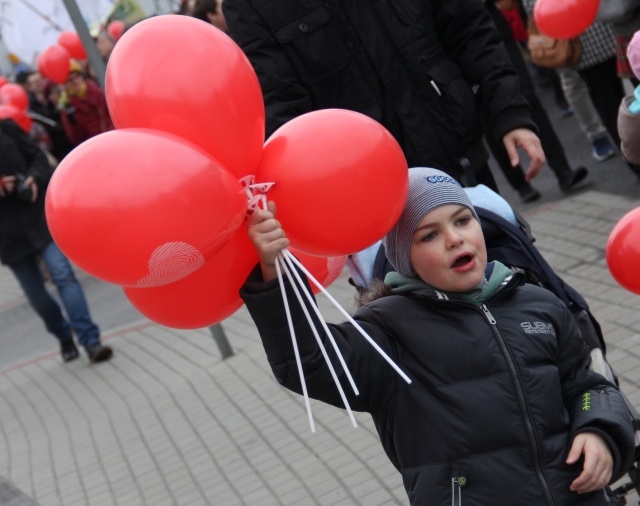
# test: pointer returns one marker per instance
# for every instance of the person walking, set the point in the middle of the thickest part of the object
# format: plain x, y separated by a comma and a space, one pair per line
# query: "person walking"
568, 178
25, 241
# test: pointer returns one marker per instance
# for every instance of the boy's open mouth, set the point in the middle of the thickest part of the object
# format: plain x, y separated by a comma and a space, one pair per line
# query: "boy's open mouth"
463, 260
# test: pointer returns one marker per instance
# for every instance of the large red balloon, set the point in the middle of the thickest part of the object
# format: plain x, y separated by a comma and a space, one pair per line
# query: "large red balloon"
564, 19
18, 116
14, 94
71, 42
142, 208
54, 62
340, 181
623, 251
184, 76
205, 297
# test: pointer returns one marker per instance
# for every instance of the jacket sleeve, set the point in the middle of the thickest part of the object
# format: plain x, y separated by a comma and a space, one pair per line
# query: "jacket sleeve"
472, 40
372, 375
594, 403
284, 94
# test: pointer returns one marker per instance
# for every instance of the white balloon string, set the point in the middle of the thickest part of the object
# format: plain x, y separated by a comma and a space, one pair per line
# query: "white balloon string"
295, 348
317, 336
287, 256
347, 315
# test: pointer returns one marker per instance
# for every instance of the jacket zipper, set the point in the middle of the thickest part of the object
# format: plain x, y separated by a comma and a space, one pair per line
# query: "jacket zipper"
457, 482
523, 405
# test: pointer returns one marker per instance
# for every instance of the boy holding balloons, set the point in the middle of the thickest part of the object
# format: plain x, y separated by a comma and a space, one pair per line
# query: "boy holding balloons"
501, 407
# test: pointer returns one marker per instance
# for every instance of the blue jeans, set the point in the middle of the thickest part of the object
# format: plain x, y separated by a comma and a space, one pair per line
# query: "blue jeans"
30, 278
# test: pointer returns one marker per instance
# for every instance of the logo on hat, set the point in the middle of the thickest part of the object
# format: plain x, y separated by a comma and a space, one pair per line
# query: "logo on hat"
441, 179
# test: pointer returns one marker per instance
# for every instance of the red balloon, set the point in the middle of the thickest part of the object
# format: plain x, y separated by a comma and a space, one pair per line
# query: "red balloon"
71, 42
325, 269
623, 251
116, 29
564, 19
205, 297
20, 117
54, 62
340, 181
3, 81
14, 94
158, 77
142, 208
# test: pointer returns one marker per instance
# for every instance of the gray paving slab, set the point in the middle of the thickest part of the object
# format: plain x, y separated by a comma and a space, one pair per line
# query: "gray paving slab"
167, 421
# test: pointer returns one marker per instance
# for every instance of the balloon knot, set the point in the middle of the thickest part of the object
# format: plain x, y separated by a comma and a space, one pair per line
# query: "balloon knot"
256, 193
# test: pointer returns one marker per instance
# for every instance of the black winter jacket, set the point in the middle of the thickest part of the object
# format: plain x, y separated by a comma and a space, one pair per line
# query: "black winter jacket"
428, 70
498, 392
23, 225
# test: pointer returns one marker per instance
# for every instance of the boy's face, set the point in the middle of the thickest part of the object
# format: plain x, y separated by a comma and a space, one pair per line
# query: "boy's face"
448, 250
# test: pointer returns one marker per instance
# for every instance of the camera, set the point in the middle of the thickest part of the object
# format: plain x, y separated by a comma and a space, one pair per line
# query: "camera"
22, 189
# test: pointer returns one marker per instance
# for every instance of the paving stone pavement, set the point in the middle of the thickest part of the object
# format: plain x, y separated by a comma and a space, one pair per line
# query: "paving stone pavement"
168, 422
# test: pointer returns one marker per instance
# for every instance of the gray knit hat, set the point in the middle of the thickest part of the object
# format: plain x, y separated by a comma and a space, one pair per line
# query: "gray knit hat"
428, 188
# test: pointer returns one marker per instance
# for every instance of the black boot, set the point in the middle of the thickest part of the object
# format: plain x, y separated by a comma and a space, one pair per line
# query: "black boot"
569, 181
98, 352
68, 350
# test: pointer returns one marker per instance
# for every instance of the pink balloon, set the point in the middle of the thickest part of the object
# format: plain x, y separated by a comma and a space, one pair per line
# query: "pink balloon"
3, 81
184, 76
564, 19
141, 207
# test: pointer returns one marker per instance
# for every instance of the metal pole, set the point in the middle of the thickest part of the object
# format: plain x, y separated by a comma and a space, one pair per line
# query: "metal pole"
222, 341
89, 45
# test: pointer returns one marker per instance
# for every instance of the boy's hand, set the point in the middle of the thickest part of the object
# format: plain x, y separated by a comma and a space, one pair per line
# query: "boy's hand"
268, 239
598, 462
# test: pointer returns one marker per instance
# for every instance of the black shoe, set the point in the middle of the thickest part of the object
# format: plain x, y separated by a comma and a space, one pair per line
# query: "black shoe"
99, 353
68, 350
528, 194
570, 182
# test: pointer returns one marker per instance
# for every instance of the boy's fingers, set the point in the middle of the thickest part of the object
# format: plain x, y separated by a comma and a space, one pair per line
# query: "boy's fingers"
577, 447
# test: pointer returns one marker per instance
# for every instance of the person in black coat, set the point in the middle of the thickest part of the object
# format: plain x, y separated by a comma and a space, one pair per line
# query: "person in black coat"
502, 407
25, 240
427, 70
567, 177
